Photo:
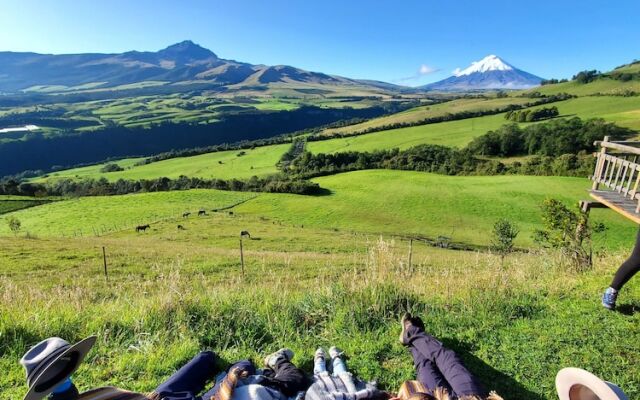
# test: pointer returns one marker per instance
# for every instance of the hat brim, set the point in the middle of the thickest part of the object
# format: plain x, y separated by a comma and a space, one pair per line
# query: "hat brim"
82, 348
569, 377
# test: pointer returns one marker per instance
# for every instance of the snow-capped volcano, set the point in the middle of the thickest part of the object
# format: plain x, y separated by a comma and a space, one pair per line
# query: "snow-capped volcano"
491, 72
489, 63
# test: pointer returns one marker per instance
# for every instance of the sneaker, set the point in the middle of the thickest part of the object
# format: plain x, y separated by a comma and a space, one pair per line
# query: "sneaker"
283, 354
335, 352
609, 298
406, 322
319, 354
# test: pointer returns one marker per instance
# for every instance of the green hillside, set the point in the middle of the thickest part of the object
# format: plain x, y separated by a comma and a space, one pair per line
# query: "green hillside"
375, 201
239, 164
417, 114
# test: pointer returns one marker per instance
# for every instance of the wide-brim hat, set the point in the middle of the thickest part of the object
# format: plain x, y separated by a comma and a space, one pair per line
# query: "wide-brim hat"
578, 384
51, 362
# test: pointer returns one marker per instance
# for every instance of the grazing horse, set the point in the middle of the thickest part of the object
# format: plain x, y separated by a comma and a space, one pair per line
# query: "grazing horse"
181, 228
186, 214
202, 212
245, 233
142, 228
230, 212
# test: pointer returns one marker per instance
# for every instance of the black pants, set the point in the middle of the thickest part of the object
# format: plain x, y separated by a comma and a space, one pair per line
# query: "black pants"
628, 268
287, 378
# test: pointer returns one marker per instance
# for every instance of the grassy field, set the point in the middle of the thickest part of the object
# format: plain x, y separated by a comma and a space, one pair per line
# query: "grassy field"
624, 111
606, 86
173, 293
259, 161
13, 203
375, 201
420, 113
88, 215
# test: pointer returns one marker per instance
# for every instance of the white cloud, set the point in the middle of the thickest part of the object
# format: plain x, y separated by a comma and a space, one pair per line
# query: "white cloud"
423, 70
426, 70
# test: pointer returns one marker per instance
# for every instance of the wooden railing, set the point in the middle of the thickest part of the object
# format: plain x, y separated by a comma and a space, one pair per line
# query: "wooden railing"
618, 169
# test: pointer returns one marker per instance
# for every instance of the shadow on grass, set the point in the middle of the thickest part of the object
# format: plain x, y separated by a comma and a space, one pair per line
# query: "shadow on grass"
491, 378
321, 192
628, 309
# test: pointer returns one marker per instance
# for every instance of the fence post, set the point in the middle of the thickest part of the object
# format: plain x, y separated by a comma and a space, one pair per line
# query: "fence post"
241, 256
104, 259
410, 253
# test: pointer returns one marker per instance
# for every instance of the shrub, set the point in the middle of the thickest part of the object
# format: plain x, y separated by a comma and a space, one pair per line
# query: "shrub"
111, 167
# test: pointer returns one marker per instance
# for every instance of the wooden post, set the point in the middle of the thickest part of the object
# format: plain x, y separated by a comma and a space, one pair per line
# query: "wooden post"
599, 166
104, 259
410, 254
241, 256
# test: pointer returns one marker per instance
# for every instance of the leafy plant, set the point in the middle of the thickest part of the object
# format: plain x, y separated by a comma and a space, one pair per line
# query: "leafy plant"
14, 224
504, 235
569, 231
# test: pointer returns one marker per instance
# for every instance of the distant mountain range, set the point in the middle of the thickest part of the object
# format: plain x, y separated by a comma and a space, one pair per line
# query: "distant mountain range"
187, 63
490, 73
184, 63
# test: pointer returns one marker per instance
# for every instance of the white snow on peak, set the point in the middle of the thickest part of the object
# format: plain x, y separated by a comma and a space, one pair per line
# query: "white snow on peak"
489, 63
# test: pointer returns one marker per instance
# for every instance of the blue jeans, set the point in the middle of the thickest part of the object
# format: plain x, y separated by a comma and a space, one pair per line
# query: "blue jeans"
338, 364
190, 380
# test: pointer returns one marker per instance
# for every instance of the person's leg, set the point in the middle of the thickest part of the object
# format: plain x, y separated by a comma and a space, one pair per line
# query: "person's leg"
192, 376
461, 381
337, 361
319, 362
628, 268
626, 271
288, 378
427, 372
244, 365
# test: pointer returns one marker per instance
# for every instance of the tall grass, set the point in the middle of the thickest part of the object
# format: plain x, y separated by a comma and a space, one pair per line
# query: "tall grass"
515, 326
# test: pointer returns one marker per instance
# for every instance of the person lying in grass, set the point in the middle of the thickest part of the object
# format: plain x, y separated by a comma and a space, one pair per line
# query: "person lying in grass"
51, 363
340, 384
441, 375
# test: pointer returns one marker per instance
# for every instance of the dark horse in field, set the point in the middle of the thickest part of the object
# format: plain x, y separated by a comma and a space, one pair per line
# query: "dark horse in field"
245, 233
142, 228
186, 214
202, 212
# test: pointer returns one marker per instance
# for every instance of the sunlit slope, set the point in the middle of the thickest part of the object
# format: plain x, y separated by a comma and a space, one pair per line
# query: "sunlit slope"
230, 164
416, 203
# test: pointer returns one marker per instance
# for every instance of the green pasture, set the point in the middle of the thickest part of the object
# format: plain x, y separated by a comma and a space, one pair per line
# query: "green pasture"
259, 161
605, 86
451, 133
430, 111
416, 203
375, 201
90, 215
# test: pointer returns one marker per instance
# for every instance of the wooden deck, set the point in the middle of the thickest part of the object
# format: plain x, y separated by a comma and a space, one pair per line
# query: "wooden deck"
617, 203
618, 170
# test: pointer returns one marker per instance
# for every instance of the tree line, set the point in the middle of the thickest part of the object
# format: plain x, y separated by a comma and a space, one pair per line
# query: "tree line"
553, 138
561, 147
102, 187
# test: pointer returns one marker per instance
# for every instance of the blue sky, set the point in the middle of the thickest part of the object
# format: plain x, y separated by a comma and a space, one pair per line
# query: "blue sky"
385, 40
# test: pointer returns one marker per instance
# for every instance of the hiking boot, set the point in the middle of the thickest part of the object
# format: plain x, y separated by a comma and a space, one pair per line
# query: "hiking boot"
609, 298
283, 354
407, 321
335, 352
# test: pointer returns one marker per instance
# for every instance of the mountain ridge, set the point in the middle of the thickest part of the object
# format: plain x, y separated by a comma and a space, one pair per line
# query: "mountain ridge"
181, 62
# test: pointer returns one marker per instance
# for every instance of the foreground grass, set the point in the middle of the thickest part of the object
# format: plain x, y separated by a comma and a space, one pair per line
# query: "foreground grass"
172, 293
